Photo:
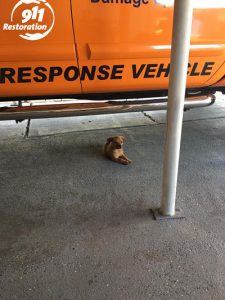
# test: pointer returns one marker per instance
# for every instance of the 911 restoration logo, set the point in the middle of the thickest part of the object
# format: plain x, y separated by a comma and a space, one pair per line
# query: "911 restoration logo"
33, 19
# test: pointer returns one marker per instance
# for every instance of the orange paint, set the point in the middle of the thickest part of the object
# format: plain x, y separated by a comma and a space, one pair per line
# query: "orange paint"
97, 47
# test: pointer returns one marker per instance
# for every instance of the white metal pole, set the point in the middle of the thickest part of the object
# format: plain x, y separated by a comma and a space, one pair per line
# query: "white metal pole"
183, 11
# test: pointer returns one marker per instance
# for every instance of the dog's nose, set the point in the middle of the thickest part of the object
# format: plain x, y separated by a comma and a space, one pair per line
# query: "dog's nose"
119, 146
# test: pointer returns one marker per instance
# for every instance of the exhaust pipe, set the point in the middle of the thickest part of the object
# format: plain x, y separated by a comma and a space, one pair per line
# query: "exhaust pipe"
96, 108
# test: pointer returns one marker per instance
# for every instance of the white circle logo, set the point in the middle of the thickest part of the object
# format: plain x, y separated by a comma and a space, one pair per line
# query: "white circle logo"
33, 18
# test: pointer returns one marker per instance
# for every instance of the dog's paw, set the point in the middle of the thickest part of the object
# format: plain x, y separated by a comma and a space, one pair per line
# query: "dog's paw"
128, 161
125, 162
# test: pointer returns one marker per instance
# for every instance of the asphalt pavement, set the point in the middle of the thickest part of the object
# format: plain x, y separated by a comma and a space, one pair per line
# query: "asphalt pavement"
74, 225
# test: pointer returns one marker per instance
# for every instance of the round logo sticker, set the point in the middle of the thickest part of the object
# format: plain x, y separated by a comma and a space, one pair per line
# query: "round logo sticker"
34, 19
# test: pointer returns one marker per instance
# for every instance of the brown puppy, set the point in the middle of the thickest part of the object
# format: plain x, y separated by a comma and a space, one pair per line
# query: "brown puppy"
114, 150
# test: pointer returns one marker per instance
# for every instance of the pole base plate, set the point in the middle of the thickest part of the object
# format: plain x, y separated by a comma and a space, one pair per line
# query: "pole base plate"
159, 217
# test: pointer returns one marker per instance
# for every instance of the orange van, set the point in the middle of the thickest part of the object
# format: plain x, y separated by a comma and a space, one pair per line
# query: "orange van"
104, 48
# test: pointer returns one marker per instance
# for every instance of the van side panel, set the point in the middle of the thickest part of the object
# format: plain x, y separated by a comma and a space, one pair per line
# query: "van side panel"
37, 48
101, 46
126, 47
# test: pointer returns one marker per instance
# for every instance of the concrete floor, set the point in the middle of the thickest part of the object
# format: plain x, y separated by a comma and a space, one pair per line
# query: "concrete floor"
74, 225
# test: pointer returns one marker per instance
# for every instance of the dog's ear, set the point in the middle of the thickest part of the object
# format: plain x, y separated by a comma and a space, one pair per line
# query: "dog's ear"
123, 138
110, 139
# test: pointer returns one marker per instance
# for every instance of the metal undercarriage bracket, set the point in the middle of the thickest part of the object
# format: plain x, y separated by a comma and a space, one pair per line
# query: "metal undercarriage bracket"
37, 110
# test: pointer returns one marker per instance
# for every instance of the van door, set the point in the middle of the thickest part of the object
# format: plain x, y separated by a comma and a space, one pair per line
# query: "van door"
37, 51
124, 45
